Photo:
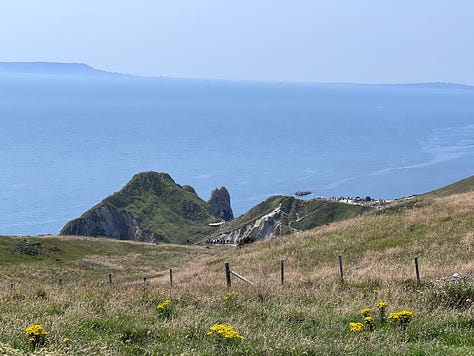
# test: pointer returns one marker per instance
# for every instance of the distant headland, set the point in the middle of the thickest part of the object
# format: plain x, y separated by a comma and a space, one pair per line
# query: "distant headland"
55, 68
82, 69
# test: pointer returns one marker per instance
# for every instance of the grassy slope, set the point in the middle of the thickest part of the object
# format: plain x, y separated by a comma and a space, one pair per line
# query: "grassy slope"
300, 214
82, 260
463, 186
309, 315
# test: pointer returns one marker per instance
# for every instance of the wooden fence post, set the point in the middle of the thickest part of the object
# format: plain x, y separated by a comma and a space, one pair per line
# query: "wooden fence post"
341, 270
282, 272
110, 279
417, 271
227, 274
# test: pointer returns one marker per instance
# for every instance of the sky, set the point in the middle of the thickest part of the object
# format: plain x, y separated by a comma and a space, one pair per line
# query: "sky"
363, 41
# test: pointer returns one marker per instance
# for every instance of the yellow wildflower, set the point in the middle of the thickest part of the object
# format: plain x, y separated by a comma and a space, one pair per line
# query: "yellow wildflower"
369, 320
393, 317
382, 305
226, 332
230, 296
365, 311
356, 327
35, 334
405, 314
166, 309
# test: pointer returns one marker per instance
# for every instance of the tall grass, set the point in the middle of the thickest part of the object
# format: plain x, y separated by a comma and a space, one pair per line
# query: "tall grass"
310, 314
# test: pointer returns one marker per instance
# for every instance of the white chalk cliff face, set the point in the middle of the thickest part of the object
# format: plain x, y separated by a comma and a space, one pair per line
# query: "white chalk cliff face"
281, 215
267, 226
104, 221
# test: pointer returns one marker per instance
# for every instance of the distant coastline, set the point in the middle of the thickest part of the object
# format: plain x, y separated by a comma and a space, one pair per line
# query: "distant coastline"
88, 70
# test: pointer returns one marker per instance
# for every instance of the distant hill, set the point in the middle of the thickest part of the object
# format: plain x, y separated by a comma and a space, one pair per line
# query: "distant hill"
54, 69
57, 68
434, 85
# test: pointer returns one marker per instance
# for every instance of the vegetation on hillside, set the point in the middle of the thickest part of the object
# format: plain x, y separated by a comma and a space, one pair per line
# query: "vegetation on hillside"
162, 209
297, 214
152, 207
312, 313
76, 260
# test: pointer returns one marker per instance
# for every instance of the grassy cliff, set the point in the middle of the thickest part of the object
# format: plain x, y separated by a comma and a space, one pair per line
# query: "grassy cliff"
151, 207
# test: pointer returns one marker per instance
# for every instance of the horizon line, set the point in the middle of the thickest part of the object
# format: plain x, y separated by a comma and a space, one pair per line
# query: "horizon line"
276, 81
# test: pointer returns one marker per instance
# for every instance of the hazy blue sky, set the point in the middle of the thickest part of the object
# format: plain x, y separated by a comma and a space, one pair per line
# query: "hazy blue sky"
301, 40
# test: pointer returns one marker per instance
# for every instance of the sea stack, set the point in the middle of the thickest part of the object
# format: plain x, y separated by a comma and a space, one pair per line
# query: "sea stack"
220, 204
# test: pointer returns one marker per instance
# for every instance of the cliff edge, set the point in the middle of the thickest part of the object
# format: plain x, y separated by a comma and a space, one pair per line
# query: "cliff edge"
152, 207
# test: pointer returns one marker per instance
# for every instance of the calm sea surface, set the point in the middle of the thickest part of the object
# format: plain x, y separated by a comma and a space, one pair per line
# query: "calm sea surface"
67, 142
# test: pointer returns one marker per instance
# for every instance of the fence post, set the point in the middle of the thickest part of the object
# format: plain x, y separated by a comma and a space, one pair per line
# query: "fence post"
171, 278
417, 270
341, 270
110, 279
282, 272
227, 274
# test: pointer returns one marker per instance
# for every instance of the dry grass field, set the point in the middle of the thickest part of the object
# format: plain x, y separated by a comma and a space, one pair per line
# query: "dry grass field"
310, 314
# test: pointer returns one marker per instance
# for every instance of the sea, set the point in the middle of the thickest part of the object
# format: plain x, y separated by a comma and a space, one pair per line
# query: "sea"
70, 140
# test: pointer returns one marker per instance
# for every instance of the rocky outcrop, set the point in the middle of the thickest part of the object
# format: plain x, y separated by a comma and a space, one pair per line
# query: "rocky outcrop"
220, 204
267, 226
152, 207
106, 221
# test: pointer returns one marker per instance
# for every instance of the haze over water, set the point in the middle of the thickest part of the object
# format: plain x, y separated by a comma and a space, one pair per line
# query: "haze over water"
70, 140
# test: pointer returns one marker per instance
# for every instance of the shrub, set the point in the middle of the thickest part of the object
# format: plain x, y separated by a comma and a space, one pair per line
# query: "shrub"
135, 335
25, 247
459, 295
247, 240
